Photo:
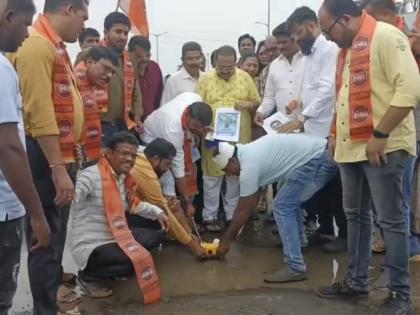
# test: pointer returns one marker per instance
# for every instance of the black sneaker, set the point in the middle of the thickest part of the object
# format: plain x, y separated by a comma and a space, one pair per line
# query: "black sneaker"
395, 304
340, 290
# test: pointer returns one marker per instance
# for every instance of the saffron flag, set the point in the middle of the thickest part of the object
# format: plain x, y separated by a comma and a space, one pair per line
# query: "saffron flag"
136, 11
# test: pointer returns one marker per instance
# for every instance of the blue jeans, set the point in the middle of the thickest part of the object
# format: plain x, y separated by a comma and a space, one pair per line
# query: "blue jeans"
303, 183
408, 190
363, 182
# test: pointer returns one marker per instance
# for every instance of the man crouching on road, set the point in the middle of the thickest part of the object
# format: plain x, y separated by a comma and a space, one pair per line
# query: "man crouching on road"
103, 244
300, 164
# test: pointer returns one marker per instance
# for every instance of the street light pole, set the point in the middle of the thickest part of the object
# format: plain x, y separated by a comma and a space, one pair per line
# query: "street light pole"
157, 35
269, 17
267, 25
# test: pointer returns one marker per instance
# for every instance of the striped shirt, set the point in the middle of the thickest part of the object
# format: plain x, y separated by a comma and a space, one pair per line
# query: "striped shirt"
89, 225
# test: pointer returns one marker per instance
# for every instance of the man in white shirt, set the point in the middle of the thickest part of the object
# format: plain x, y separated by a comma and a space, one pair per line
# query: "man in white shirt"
318, 86
284, 78
318, 99
186, 79
180, 122
17, 191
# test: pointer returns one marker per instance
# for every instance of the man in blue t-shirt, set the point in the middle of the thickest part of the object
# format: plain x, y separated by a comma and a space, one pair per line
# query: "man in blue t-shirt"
300, 165
17, 191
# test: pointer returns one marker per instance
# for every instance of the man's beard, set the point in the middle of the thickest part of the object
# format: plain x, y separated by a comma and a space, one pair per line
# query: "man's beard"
159, 173
347, 40
306, 46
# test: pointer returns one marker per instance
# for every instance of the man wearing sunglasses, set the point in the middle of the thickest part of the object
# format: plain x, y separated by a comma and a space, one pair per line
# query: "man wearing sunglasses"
372, 137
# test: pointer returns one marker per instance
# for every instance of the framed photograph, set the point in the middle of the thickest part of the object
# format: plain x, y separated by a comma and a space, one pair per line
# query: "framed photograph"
227, 125
274, 122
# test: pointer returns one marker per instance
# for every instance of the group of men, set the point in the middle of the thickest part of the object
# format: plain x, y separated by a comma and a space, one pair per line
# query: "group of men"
371, 136
110, 144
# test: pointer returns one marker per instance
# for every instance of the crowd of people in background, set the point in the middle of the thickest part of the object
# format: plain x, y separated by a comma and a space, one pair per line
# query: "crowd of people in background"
110, 143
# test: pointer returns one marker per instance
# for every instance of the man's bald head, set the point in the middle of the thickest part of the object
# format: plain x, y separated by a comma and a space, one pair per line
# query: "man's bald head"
272, 47
340, 21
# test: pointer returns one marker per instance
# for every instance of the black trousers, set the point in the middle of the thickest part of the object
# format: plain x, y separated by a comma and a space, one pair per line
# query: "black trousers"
45, 266
109, 261
198, 199
11, 236
328, 205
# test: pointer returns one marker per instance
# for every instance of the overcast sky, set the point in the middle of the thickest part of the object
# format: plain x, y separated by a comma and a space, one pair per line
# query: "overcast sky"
212, 23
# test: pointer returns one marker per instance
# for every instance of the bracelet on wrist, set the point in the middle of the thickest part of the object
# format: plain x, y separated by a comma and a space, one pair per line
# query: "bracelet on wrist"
53, 166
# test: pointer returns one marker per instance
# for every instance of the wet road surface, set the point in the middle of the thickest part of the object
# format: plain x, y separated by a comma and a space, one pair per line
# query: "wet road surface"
233, 286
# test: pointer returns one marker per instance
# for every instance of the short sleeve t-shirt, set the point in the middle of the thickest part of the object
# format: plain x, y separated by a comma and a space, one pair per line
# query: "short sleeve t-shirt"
274, 157
10, 112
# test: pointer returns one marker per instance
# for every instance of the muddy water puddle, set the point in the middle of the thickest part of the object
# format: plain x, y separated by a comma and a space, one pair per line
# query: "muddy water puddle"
232, 286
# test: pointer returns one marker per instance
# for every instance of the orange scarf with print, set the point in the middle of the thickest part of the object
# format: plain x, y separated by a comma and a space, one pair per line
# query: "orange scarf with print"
190, 170
360, 89
144, 266
62, 95
129, 87
92, 129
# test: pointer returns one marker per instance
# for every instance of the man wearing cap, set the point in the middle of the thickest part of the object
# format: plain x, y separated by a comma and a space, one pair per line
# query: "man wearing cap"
300, 165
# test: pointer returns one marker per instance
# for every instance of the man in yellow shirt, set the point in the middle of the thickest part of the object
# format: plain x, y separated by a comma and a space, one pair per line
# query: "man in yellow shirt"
386, 11
53, 114
372, 138
224, 87
149, 167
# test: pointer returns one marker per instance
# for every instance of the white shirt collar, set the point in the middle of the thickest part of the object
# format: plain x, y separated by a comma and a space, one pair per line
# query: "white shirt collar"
186, 75
298, 55
318, 42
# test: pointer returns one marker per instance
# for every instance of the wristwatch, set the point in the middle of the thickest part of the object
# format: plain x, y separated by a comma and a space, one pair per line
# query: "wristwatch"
301, 118
380, 135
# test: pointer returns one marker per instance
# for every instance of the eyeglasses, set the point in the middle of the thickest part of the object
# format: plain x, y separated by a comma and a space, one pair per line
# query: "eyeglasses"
327, 33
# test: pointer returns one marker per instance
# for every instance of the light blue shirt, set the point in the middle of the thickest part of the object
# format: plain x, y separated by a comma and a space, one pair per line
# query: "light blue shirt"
273, 158
10, 112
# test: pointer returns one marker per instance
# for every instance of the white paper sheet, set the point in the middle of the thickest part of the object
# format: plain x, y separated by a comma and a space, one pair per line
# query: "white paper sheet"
272, 123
